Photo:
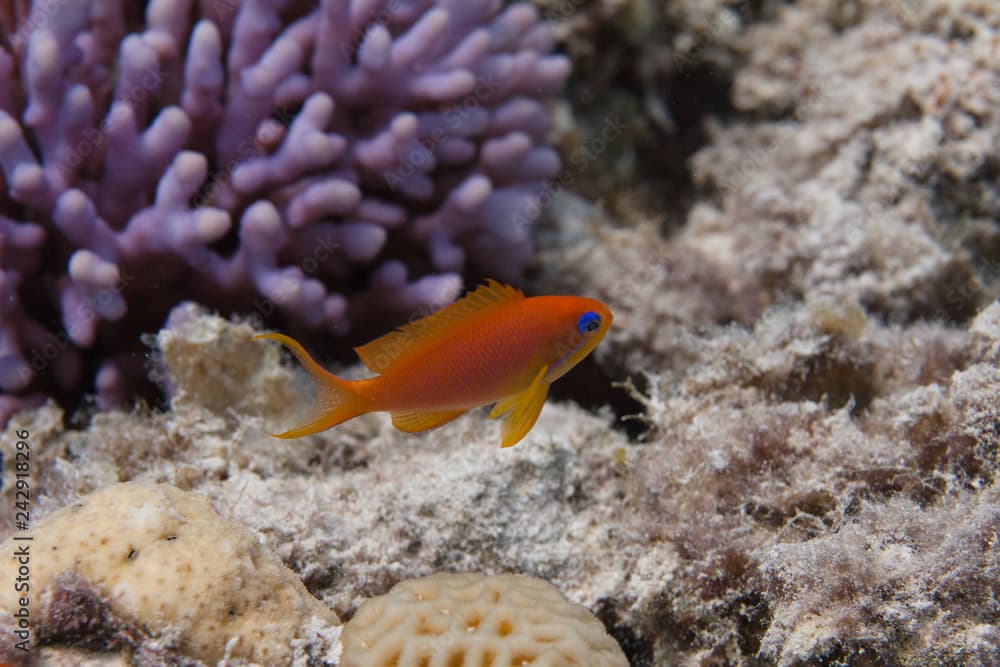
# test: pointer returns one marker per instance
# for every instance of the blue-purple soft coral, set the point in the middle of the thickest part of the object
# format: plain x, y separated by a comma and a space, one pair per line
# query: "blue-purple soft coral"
320, 161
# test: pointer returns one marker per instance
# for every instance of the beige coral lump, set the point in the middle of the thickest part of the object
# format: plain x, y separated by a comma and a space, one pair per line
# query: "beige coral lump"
167, 566
476, 620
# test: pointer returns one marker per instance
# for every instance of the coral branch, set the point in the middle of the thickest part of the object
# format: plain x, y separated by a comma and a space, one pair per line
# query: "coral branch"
257, 156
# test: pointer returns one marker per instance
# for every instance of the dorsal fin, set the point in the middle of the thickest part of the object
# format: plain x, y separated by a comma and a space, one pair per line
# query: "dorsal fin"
382, 352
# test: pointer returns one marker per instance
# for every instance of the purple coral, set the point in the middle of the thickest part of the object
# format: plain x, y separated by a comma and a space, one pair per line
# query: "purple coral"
325, 163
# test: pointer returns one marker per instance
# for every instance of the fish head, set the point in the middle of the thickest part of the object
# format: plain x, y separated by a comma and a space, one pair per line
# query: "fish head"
576, 325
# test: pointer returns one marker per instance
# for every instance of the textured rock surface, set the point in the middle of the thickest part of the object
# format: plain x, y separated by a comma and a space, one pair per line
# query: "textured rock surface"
814, 353
823, 398
155, 570
698, 544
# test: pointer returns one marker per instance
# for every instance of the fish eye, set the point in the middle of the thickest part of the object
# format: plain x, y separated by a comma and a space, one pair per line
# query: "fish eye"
588, 323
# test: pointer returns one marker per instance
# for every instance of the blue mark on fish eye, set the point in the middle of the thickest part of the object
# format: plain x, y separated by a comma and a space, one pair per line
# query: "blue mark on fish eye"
588, 323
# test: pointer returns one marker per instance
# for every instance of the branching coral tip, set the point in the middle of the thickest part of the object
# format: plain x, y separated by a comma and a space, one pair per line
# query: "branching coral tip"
492, 346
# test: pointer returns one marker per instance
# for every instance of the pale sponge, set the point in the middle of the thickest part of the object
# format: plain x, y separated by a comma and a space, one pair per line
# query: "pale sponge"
160, 565
474, 620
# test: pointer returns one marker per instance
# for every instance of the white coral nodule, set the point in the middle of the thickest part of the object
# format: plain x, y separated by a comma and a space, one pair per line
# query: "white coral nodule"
476, 620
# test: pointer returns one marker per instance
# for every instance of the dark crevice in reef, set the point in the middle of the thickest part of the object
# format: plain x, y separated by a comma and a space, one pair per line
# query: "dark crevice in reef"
955, 297
695, 94
969, 210
836, 379
640, 116
638, 649
592, 386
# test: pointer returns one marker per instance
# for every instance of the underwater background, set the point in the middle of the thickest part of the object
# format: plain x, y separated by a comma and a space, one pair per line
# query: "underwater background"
785, 451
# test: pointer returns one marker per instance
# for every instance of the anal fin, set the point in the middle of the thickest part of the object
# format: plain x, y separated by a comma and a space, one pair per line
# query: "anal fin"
415, 422
521, 410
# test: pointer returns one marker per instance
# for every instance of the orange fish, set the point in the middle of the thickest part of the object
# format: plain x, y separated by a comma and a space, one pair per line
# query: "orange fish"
492, 346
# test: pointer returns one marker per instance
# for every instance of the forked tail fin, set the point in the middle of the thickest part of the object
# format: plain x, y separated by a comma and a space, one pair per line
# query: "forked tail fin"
336, 401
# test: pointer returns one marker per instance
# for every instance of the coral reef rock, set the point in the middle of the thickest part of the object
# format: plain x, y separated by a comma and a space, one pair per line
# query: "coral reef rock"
694, 541
809, 364
815, 352
153, 570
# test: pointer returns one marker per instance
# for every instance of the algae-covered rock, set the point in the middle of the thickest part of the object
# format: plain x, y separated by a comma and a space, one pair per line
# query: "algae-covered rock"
800, 465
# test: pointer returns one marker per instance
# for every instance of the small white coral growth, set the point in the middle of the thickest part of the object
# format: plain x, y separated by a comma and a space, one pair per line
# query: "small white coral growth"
476, 620
168, 565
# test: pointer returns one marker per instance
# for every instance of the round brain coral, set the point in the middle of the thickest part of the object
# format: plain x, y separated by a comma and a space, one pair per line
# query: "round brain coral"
476, 620
166, 566
328, 163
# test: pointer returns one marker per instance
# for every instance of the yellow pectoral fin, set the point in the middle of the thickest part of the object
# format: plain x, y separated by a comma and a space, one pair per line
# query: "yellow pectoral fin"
415, 422
521, 410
